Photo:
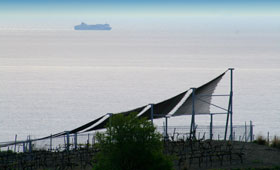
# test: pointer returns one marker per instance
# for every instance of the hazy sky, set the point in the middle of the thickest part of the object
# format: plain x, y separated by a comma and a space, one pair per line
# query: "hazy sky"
13, 12
143, 7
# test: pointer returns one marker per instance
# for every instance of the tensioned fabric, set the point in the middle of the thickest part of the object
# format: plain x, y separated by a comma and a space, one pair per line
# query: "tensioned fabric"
202, 99
102, 124
86, 125
161, 109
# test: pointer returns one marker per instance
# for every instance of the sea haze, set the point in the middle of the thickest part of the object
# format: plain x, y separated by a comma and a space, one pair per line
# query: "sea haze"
56, 80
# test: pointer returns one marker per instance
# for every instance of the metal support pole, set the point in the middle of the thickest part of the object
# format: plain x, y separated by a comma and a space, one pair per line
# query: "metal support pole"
76, 140
251, 131
192, 129
15, 143
166, 127
51, 142
152, 113
110, 121
268, 138
30, 144
110, 125
231, 94
93, 139
245, 132
23, 147
88, 140
229, 114
67, 141
229, 106
211, 126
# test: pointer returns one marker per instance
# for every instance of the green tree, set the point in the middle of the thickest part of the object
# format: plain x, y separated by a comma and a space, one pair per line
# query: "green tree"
131, 143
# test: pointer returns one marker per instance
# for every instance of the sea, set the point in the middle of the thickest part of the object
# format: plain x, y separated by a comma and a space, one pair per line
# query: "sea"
53, 80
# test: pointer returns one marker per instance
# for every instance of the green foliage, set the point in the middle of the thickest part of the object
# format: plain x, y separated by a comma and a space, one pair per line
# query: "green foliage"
261, 140
130, 143
257, 161
275, 142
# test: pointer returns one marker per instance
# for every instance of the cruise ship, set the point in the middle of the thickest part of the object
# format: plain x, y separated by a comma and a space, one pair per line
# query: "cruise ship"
84, 26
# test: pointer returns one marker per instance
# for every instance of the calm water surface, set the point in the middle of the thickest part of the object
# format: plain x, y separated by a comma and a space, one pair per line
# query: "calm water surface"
53, 81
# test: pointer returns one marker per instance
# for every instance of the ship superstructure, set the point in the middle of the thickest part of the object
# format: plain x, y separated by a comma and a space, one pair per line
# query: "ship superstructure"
84, 26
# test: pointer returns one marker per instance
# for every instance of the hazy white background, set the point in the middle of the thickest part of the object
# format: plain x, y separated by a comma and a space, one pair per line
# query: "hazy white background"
53, 78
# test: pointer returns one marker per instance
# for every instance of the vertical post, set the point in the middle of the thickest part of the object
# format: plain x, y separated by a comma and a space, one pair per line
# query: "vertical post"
231, 96
93, 139
30, 144
229, 106
51, 143
88, 140
110, 125
245, 132
64, 139
230, 110
251, 131
75, 140
192, 129
268, 138
152, 113
23, 147
15, 143
110, 122
211, 126
166, 127
67, 141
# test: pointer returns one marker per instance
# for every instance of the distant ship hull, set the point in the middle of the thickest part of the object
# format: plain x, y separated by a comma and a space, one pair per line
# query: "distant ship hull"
84, 26
77, 28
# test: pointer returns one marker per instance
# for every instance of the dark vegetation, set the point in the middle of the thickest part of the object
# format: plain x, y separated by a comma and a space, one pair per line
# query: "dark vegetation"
131, 143
275, 143
261, 141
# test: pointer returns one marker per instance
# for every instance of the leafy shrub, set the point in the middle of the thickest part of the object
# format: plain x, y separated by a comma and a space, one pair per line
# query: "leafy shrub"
261, 140
275, 142
130, 143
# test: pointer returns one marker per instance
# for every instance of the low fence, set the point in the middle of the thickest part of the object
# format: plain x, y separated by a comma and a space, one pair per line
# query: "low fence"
83, 140
240, 132
60, 143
